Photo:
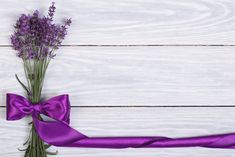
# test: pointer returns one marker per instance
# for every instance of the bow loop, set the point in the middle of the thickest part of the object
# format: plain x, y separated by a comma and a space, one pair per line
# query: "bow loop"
17, 107
57, 107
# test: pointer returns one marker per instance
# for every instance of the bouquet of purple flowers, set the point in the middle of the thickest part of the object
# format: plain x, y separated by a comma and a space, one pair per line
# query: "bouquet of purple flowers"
35, 39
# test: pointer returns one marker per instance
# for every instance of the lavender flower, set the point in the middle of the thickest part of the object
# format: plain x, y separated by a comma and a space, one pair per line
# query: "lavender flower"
36, 36
51, 10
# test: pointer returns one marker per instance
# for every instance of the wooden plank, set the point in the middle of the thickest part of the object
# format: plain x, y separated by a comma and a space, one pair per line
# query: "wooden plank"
134, 21
127, 76
172, 122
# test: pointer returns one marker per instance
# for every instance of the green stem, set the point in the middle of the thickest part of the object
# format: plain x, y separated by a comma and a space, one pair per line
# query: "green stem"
35, 72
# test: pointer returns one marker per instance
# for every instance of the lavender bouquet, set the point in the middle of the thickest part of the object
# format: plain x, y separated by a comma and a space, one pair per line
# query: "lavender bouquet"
35, 39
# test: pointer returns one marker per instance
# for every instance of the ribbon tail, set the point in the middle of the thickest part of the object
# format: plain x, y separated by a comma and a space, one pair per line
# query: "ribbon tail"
61, 134
56, 133
216, 141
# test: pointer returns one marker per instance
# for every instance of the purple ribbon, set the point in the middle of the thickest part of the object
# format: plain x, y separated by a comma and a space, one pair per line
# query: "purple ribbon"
59, 133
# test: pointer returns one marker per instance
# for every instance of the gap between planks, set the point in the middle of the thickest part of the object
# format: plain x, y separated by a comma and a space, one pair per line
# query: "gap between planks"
181, 106
142, 45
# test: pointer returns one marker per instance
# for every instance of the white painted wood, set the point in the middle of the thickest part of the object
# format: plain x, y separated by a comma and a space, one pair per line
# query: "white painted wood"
134, 21
172, 122
107, 76
127, 76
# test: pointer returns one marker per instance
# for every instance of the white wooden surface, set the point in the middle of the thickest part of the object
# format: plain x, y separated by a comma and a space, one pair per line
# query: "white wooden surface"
131, 76
107, 61
134, 21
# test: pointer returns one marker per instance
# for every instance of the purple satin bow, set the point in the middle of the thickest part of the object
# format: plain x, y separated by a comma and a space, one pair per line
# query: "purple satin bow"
59, 133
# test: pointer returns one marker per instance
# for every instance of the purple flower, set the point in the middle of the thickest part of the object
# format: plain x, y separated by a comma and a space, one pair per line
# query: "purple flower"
36, 36
51, 10
32, 54
68, 22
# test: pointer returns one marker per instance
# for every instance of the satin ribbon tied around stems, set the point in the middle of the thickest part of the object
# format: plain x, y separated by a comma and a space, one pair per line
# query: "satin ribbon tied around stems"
59, 133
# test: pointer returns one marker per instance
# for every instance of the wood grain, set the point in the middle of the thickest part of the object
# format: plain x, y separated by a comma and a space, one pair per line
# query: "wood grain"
133, 76
120, 75
171, 122
110, 22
